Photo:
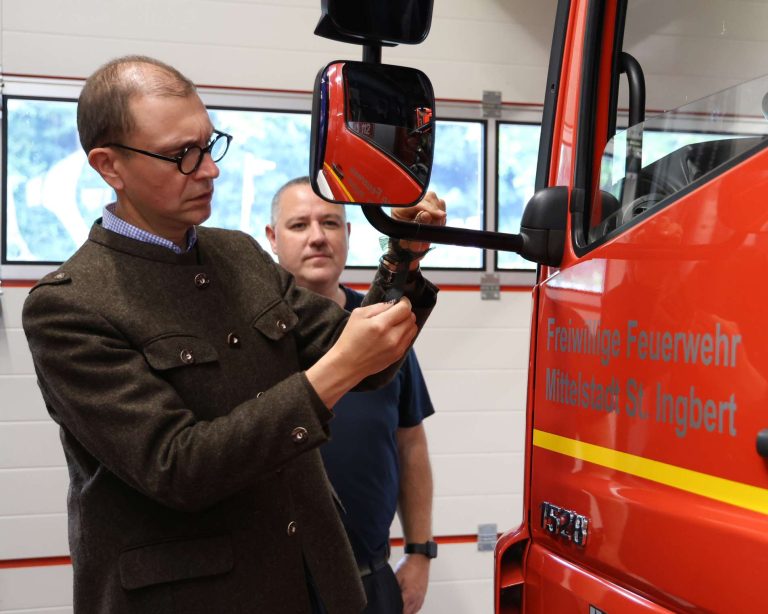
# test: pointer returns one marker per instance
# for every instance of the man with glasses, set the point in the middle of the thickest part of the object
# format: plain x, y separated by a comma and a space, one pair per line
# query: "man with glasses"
191, 378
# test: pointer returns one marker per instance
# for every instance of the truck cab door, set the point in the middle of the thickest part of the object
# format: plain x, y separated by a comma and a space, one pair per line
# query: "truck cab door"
647, 490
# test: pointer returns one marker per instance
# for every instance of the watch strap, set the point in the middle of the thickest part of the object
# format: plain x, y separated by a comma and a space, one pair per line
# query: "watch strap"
428, 549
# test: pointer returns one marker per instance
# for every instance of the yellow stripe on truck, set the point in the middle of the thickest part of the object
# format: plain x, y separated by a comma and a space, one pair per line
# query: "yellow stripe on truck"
741, 495
339, 180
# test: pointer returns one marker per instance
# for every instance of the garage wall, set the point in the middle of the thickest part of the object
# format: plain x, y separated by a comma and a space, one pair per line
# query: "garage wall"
474, 356
472, 46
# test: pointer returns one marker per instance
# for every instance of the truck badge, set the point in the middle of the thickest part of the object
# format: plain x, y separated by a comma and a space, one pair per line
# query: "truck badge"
564, 523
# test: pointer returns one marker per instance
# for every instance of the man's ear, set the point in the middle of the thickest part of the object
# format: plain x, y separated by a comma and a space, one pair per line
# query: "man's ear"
102, 159
270, 232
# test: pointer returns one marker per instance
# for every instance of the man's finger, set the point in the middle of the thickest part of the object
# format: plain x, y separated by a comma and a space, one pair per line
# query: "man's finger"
370, 311
403, 308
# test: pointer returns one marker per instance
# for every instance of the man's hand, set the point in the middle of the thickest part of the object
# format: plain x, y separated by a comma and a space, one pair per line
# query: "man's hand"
374, 337
430, 210
412, 574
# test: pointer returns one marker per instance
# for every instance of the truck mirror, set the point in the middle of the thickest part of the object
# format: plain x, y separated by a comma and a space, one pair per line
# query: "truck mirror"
372, 135
372, 142
390, 22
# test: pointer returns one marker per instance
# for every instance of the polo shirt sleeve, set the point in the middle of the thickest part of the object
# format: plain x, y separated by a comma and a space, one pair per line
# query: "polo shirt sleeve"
415, 403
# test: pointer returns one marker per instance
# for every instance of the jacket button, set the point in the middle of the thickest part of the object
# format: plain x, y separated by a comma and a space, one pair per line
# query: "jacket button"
299, 434
292, 528
202, 280
233, 340
187, 357
281, 325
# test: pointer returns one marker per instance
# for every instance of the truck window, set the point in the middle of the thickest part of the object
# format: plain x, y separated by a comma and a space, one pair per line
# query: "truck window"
717, 63
676, 150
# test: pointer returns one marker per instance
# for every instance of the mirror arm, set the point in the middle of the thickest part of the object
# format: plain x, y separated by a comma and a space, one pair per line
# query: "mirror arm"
444, 235
542, 229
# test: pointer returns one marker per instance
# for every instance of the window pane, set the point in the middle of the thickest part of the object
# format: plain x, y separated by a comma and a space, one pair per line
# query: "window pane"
707, 71
665, 155
268, 149
518, 154
53, 195
458, 177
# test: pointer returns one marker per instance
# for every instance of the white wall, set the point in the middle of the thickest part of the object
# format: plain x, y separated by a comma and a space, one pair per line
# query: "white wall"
474, 356
474, 352
472, 46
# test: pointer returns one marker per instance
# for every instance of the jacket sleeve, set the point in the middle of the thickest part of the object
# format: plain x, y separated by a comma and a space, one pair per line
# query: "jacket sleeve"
322, 320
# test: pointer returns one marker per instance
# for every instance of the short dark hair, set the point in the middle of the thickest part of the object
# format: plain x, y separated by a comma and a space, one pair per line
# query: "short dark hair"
103, 112
278, 195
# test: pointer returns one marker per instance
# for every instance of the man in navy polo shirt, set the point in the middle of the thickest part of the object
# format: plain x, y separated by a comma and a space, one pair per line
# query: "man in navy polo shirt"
377, 458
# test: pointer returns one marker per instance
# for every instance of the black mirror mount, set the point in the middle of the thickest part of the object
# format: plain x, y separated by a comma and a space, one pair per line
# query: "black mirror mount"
542, 229
372, 53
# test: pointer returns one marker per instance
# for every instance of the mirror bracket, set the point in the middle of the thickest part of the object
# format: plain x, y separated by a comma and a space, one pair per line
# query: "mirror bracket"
541, 238
543, 226
372, 53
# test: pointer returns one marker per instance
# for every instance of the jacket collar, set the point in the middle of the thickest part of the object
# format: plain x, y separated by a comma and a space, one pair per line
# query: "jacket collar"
140, 249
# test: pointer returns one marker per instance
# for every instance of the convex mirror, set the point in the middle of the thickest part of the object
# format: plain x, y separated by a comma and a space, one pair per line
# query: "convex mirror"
373, 134
389, 22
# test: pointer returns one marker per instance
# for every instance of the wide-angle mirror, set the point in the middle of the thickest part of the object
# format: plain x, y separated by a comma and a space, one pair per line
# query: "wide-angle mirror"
372, 134
390, 22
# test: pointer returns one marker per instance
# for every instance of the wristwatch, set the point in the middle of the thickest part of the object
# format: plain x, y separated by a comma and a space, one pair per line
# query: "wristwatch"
428, 549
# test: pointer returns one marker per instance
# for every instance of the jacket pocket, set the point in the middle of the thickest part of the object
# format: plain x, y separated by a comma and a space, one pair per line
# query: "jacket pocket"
276, 320
175, 560
172, 351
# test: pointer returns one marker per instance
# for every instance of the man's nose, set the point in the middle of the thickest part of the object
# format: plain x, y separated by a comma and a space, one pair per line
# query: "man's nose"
316, 233
208, 168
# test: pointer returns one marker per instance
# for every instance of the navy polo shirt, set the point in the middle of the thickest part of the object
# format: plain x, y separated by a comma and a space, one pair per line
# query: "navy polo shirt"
361, 456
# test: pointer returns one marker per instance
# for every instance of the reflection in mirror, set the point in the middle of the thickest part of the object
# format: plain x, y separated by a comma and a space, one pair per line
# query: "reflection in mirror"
372, 134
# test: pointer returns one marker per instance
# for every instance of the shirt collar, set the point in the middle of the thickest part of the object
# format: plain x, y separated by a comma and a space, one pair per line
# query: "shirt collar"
110, 221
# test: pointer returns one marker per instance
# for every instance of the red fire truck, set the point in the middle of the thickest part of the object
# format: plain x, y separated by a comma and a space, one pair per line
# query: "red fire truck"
647, 415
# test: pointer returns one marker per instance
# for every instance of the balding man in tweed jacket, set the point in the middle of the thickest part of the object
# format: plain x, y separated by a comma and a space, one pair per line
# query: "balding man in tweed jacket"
191, 378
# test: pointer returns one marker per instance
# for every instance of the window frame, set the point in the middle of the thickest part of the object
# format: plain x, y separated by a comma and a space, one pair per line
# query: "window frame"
288, 101
586, 180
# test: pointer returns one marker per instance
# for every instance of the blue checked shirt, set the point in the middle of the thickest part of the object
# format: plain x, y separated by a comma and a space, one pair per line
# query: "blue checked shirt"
111, 222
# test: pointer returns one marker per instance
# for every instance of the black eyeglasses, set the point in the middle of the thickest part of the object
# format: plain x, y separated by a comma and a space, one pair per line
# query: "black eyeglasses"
189, 160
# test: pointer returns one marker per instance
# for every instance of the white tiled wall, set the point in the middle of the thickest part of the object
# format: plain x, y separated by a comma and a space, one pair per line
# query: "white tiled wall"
472, 46
474, 355
474, 352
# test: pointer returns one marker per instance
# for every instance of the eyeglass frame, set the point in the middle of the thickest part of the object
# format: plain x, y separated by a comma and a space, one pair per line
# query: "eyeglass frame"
218, 134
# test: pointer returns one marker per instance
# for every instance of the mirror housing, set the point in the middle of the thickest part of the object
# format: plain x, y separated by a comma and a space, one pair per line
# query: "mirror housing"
363, 22
372, 143
372, 135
